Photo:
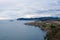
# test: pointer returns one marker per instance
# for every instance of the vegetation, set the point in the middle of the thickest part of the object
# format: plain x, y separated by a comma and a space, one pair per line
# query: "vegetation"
53, 33
52, 28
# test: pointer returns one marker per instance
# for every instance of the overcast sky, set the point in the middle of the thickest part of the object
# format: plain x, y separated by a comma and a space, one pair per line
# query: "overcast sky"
29, 8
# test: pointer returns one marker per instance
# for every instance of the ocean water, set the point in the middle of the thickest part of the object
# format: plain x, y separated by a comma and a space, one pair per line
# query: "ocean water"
16, 30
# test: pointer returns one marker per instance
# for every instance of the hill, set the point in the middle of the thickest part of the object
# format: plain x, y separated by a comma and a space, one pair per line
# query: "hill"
40, 18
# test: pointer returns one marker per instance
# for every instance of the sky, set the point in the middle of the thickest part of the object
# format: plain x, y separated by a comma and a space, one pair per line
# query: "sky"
11, 9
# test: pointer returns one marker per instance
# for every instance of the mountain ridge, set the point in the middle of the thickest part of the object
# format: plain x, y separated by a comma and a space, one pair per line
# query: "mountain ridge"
40, 18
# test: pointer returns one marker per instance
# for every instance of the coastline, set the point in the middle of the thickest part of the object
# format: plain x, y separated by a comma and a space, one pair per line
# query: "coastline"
52, 28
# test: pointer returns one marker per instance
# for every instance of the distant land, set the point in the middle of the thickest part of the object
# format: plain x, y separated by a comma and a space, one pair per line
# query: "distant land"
40, 18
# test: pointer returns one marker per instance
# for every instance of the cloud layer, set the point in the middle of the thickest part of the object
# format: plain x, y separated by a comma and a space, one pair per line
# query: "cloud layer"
29, 8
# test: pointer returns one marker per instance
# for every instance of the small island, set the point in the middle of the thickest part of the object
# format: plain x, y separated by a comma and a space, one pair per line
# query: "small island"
52, 28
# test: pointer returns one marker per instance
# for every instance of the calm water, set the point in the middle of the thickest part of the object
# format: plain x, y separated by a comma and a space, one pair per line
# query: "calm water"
16, 30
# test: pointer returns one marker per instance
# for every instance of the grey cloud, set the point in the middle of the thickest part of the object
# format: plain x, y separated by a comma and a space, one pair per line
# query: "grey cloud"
18, 8
47, 11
